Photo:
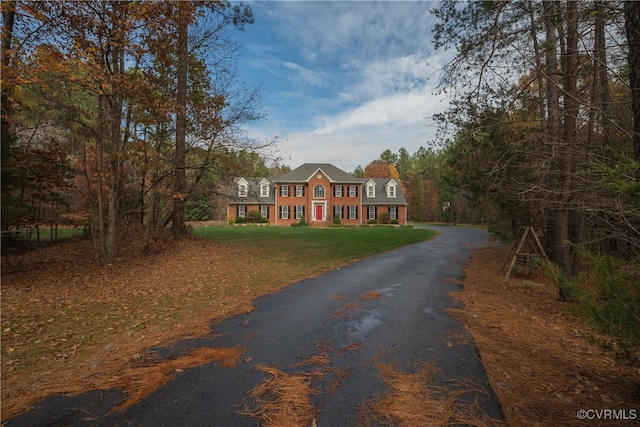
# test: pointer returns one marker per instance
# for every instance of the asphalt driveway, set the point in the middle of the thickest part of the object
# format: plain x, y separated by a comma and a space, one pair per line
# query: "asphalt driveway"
405, 324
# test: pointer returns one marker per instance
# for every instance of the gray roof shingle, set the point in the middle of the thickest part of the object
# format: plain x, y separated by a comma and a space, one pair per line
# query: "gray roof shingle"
306, 171
381, 193
253, 192
303, 173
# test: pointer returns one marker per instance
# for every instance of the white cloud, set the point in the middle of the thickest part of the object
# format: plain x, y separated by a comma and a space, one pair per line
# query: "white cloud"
304, 75
360, 79
360, 135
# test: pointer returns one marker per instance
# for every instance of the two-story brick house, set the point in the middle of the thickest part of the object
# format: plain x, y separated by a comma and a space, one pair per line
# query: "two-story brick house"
319, 192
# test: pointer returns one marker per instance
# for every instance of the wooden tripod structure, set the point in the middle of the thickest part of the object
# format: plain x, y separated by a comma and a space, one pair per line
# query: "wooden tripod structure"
528, 249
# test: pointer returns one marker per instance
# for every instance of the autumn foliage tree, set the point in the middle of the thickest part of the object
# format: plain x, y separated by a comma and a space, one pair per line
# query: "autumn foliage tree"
381, 169
101, 78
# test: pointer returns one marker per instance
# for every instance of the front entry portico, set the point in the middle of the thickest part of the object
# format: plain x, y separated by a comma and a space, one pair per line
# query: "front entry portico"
318, 211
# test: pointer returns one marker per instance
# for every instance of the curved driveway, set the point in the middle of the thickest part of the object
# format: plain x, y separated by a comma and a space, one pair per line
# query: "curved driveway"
390, 306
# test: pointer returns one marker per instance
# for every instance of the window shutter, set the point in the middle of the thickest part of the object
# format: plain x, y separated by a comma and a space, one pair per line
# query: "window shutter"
356, 206
280, 211
375, 212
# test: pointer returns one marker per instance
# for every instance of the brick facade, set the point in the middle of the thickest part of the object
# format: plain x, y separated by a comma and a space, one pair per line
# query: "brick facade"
319, 192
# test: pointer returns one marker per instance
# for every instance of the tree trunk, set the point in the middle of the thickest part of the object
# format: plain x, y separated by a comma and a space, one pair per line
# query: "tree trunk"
115, 152
602, 77
8, 21
536, 53
6, 126
100, 240
179, 192
552, 129
564, 218
632, 25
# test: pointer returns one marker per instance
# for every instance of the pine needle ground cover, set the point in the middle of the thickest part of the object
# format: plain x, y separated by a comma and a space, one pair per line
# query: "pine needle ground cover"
69, 325
540, 357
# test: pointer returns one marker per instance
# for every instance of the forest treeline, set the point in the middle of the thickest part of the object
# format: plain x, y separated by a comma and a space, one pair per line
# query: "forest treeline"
97, 125
120, 112
545, 118
130, 112
545, 103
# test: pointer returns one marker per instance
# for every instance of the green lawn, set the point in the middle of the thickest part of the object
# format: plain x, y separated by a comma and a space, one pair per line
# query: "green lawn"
327, 247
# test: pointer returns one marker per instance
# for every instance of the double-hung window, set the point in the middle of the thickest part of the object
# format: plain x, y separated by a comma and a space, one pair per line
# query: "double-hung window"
353, 191
299, 190
353, 212
393, 212
284, 212
337, 211
337, 191
242, 211
371, 191
284, 190
299, 211
372, 212
392, 191
264, 211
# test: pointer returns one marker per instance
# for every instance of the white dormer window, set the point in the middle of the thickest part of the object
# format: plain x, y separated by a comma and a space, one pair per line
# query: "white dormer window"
391, 189
264, 188
371, 188
243, 186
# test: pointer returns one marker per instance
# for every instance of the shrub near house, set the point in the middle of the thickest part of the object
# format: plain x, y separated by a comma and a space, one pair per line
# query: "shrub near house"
319, 192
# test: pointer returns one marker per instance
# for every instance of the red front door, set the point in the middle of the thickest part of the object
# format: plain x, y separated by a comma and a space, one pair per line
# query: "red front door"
318, 213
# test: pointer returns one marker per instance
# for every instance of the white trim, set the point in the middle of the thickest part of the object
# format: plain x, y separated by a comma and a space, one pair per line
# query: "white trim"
265, 185
324, 211
324, 192
281, 211
341, 213
371, 210
322, 172
354, 211
389, 185
243, 184
370, 185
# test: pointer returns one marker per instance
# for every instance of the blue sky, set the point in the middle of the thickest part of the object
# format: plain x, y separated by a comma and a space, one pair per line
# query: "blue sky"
342, 81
